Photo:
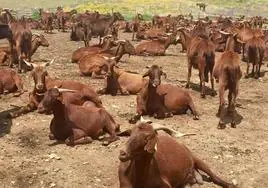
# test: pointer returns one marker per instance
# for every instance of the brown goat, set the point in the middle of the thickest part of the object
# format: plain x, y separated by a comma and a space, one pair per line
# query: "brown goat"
10, 82
156, 47
153, 160
93, 65
255, 48
76, 124
201, 55
107, 42
227, 71
42, 82
37, 41
126, 82
162, 100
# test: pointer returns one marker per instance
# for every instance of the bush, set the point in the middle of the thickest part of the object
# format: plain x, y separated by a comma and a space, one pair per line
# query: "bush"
36, 15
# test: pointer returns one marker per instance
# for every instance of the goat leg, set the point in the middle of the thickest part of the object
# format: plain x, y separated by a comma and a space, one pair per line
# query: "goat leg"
78, 137
189, 74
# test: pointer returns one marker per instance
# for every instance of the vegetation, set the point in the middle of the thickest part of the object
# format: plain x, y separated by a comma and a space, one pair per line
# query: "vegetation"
149, 7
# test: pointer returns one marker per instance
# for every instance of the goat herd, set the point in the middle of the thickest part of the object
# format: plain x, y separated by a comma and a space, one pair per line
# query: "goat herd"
150, 160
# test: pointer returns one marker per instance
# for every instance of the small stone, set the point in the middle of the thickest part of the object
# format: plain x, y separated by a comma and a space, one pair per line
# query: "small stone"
84, 163
13, 182
234, 181
229, 156
217, 157
52, 185
98, 180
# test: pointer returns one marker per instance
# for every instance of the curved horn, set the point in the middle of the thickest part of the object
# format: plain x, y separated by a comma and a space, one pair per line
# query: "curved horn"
37, 34
30, 64
121, 41
106, 58
142, 120
169, 131
66, 90
106, 37
47, 64
224, 33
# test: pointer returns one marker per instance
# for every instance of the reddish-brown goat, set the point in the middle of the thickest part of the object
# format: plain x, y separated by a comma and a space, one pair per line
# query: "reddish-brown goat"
255, 48
42, 82
156, 47
201, 55
76, 124
10, 82
118, 79
107, 42
227, 71
156, 160
93, 65
162, 100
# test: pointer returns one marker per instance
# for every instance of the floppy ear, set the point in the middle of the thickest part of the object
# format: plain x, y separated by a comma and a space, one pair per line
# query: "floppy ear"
150, 147
124, 133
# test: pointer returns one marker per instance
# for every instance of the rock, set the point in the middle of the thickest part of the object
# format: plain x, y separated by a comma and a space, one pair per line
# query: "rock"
234, 181
54, 156
52, 184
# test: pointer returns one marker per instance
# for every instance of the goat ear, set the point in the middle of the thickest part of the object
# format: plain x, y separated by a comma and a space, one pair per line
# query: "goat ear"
124, 133
151, 144
164, 74
146, 74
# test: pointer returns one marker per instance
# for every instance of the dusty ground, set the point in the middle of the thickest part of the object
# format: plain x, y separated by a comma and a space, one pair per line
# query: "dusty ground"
29, 159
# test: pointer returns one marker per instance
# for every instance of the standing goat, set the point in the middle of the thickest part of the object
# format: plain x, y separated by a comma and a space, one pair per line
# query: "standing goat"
227, 71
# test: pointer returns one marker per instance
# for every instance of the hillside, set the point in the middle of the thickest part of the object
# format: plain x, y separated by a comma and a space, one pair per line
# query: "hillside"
149, 7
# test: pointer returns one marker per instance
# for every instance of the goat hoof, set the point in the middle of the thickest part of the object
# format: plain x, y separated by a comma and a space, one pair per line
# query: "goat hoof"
221, 125
214, 93
51, 136
196, 117
203, 96
233, 125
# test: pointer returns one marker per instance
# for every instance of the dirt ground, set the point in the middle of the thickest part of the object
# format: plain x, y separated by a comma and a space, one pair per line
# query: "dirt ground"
29, 159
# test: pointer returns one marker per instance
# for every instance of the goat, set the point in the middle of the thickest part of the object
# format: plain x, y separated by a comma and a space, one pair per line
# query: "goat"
76, 124
162, 100
227, 71
157, 160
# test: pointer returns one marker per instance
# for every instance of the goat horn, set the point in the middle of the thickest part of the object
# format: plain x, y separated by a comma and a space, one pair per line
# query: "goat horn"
47, 64
178, 38
171, 132
30, 64
106, 58
225, 33
106, 37
37, 34
66, 90
121, 41
142, 120
180, 28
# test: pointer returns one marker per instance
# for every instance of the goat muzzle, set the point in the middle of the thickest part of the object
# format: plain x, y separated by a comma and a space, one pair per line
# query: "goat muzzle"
123, 156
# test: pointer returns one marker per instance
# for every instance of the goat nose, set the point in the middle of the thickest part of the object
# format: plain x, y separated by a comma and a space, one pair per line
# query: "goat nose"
39, 86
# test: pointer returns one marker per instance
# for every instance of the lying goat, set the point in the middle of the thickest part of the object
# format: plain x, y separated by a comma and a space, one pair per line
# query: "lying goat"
76, 124
162, 100
153, 160
118, 79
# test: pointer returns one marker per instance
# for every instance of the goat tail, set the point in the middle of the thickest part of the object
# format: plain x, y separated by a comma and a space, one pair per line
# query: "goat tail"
209, 63
233, 74
200, 165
